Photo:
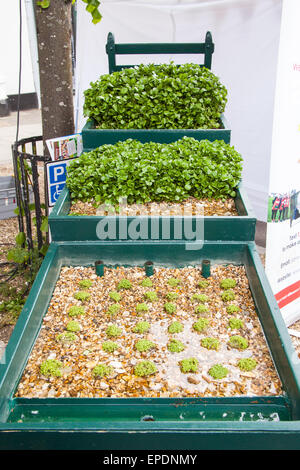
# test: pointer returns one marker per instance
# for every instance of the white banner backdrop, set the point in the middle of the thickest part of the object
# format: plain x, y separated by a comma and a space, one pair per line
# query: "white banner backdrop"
246, 35
283, 229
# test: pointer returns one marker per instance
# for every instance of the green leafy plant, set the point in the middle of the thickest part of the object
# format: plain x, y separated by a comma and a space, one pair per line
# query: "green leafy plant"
114, 295
51, 368
157, 96
151, 171
73, 326
141, 327
75, 311
210, 343
92, 8
172, 295
113, 309
109, 346
173, 282
85, 283
203, 284
124, 284
169, 307
202, 298
113, 331
102, 370
228, 295
189, 365
146, 282
175, 327
232, 308
201, 325
67, 337
142, 307
175, 346
145, 368
143, 345
228, 283
235, 323
201, 309
151, 296
82, 295
218, 371
247, 364
238, 342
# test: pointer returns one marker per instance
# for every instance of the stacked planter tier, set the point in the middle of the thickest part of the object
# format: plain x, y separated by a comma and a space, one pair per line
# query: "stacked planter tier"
238, 228
93, 138
241, 422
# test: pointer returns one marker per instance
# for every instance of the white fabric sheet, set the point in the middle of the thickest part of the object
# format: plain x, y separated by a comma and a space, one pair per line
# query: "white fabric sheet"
246, 37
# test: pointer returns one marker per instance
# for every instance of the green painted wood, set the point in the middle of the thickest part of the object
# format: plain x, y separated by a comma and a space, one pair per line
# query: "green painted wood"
93, 138
228, 228
112, 49
211, 423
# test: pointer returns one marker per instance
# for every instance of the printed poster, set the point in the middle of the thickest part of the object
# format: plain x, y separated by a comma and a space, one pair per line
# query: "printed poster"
283, 223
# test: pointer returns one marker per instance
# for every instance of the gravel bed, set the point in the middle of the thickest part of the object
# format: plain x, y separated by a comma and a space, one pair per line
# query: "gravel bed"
191, 206
79, 358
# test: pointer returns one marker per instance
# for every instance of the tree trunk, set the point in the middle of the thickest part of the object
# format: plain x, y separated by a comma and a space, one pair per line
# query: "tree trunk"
54, 30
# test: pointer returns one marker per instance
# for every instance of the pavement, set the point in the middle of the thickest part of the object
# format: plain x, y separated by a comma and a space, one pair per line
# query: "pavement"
30, 125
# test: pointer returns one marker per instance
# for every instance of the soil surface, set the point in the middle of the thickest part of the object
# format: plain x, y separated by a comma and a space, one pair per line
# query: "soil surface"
79, 357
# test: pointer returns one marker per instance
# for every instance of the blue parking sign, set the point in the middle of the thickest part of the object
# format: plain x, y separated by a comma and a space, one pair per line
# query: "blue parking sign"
56, 179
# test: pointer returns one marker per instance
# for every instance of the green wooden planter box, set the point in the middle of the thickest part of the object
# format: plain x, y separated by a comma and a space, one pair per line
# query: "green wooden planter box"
93, 138
237, 228
122, 423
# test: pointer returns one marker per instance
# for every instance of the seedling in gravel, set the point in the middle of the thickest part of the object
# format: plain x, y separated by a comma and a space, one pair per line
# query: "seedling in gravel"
143, 307
201, 309
201, 298
247, 364
102, 370
172, 296
203, 284
113, 309
210, 343
218, 371
82, 295
235, 323
201, 325
76, 310
85, 283
67, 337
232, 308
189, 365
151, 296
175, 327
144, 368
124, 284
173, 282
146, 282
73, 326
238, 342
175, 346
228, 283
141, 327
113, 331
143, 345
51, 368
109, 346
114, 295
228, 295
169, 307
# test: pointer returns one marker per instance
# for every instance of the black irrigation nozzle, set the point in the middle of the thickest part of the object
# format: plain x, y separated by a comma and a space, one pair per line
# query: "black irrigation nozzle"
99, 266
149, 268
205, 268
